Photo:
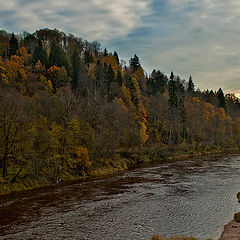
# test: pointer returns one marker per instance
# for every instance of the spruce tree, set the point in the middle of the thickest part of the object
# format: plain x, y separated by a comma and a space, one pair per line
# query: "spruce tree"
221, 98
88, 58
40, 54
75, 68
134, 63
57, 57
172, 92
110, 74
99, 71
116, 56
190, 86
119, 78
13, 46
105, 53
159, 81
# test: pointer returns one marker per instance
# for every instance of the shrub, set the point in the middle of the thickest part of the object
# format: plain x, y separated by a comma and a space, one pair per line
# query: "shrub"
238, 196
157, 237
237, 217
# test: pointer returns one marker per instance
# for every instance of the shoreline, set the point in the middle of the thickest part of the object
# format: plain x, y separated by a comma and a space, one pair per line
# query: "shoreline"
231, 231
127, 164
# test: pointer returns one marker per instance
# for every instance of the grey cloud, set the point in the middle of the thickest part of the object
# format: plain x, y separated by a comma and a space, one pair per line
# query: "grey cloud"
97, 19
191, 37
198, 38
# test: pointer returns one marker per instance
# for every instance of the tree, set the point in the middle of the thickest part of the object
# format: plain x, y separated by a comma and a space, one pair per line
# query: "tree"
221, 98
134, 63
88, 58
58, 77
108, 79
40, 54
75, 68
119, 78
4, 44
13, 46
13, 128
116, 56
105, 53
172, 91
190, 86
173, 111
157, 82
110, 74
58, 57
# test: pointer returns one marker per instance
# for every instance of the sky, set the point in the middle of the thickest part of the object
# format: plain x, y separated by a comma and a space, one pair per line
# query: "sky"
200, 38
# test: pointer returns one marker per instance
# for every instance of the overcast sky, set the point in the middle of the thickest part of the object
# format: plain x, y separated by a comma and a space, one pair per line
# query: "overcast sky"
190, 37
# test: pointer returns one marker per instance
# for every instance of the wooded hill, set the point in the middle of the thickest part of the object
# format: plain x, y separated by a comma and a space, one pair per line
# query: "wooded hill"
67, 107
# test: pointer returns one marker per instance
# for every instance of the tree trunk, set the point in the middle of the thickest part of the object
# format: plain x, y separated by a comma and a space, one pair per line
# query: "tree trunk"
4, 172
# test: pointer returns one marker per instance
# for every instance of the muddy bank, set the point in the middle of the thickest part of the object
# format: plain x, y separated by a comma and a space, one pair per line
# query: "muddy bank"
231, 231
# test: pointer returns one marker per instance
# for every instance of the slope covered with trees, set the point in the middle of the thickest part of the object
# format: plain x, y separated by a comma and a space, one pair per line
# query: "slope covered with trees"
68, 109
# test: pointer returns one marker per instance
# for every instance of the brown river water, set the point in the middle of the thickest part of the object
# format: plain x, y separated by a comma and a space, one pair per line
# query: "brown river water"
195, 197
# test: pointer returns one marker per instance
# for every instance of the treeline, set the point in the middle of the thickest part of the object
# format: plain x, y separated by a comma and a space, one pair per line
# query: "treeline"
67, 107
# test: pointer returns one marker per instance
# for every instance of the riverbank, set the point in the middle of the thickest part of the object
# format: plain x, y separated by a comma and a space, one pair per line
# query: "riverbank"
231, 231
168, 198
108, 167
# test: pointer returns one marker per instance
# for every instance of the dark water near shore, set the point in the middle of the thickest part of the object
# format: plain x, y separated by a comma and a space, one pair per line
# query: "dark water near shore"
194, 197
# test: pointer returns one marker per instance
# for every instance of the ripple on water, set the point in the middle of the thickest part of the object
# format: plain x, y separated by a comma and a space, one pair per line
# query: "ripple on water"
195, 197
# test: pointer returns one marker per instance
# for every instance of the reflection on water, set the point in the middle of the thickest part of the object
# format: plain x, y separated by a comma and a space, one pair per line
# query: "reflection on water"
194, 197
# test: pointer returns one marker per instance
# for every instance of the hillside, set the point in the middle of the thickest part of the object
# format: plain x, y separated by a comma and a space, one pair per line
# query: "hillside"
69, 109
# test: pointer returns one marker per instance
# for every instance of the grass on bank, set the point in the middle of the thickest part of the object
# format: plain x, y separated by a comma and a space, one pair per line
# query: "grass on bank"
25, 179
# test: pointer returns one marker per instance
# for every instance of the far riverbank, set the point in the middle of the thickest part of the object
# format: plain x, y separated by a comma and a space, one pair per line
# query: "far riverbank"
109, 167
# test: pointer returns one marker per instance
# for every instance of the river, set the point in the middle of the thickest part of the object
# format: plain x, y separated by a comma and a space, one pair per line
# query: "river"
195, 197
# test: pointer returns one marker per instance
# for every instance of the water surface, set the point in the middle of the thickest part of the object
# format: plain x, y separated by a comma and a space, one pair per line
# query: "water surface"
194, 197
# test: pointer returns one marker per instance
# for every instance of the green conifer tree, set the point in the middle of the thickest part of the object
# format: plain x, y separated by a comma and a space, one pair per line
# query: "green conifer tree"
13, 45
58, 57
135, 63
119, 78
75, 68
172, 91
116, 56
40, 54
221, 98
190, 85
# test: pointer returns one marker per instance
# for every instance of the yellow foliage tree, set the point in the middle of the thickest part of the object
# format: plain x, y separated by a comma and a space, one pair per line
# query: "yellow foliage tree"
143, 133
47, 84
126, 97
26, 57
111, 60
82, 161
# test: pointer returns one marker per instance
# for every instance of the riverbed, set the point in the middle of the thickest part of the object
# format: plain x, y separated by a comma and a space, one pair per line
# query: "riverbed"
195, 197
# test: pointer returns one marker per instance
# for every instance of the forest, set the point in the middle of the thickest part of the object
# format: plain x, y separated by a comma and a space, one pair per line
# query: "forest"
70, 109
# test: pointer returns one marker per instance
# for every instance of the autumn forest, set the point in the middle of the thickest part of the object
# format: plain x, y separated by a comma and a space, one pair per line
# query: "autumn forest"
69, 109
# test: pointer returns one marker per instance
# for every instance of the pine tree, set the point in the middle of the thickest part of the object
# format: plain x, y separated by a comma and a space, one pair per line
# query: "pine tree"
172, 91
190, 86
119, 78
159, 81
110, 74
116, 56
99, 71
75, 68
221, 98
13, 46
40, 54
88, 58
105, 53
57, 57
134, 63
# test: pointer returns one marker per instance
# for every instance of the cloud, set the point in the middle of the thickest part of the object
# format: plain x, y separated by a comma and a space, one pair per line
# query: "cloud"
92, 19
192, 37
